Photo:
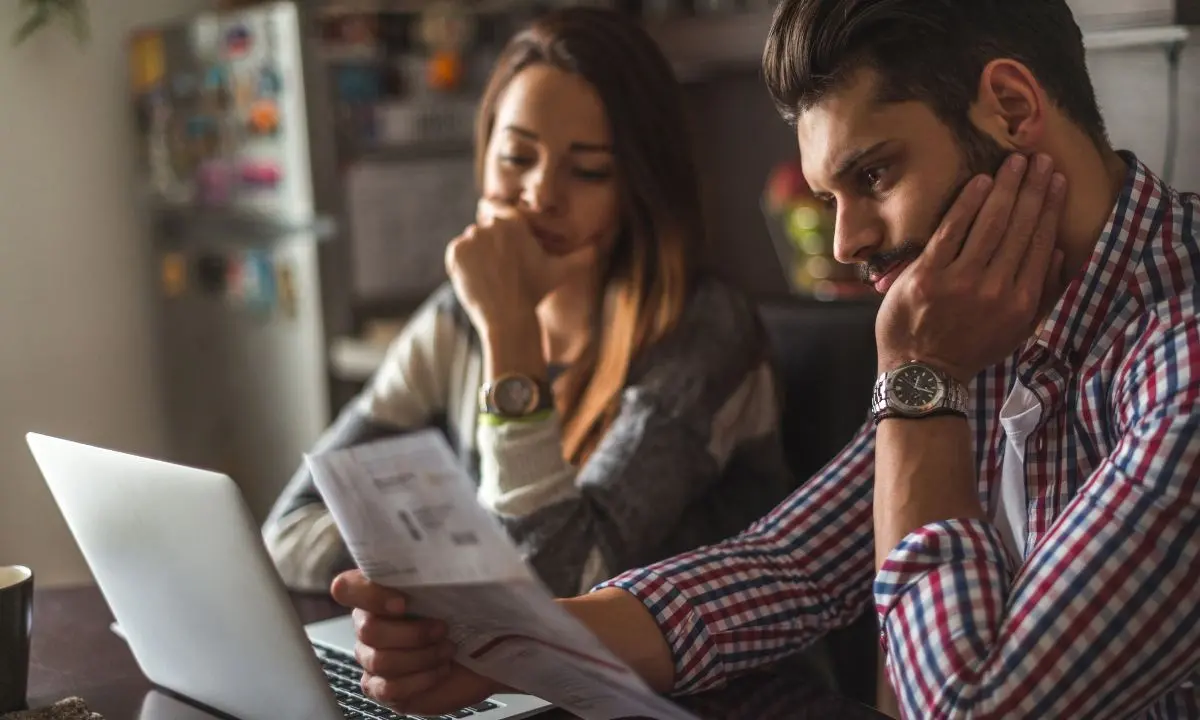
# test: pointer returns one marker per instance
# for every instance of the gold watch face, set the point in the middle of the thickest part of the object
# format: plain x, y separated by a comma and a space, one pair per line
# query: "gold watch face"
916, 389
515, 395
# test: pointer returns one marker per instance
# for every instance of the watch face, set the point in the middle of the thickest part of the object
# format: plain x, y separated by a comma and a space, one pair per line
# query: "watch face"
515, 396
916, 389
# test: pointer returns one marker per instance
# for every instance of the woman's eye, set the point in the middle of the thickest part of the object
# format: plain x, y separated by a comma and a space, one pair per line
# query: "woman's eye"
594, 175
516, 160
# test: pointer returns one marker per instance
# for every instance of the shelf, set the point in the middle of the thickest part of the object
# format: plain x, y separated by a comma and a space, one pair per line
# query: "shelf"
408, 152
700, 47
1136, 37
185, 223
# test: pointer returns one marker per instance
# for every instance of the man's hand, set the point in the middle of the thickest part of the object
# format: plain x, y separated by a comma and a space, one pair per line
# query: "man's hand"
977, 291
407, 661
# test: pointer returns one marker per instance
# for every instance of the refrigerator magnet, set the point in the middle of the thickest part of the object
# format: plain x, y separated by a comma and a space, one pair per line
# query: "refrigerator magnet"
244, 91
211, 273
285, 283
263, 175
214, 183
147, 61
237, 282
258, 281
270, 82
238, 41
174, 275
184, 86
263, 117
445, 29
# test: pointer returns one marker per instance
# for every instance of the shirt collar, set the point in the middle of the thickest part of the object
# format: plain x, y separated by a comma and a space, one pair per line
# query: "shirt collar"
1074, 329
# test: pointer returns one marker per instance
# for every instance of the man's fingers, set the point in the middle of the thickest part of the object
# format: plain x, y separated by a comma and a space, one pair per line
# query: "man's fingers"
992, 222
352, 589
397, 663
947, 241
460, 688
1025, 218
1037, 259
384, 632
397, 691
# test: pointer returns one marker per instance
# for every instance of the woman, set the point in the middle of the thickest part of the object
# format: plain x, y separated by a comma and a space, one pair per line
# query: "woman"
614, 403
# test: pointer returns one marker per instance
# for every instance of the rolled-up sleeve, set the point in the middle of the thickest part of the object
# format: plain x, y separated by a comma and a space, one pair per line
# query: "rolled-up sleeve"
1103, 618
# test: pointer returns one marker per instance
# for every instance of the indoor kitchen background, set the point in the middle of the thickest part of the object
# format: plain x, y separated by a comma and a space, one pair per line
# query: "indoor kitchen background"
173, 290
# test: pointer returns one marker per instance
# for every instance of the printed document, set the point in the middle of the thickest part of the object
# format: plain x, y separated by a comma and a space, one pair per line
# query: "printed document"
411, 521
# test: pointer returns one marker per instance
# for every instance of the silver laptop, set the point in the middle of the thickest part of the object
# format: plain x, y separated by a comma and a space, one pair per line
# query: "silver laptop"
182, 565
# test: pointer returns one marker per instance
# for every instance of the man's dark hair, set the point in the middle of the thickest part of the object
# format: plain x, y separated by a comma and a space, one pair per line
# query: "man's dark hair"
931, 51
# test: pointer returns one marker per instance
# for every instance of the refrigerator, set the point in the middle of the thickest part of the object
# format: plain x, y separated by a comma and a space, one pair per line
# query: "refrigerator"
229, 192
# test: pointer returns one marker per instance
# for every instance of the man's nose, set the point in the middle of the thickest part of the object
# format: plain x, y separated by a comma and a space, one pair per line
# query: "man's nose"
856, 237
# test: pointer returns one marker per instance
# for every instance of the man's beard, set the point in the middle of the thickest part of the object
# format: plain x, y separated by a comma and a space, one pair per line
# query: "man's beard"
981, 156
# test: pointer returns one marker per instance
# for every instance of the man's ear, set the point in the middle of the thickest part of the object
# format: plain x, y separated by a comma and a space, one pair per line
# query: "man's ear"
1011, 106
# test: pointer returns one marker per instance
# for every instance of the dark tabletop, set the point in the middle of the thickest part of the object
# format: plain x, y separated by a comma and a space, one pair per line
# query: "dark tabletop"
76, 654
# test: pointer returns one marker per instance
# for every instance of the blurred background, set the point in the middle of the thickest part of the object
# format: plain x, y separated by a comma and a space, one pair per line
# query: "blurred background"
214, 216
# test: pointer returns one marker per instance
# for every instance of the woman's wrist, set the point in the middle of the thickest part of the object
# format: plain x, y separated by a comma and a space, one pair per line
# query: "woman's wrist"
513, 345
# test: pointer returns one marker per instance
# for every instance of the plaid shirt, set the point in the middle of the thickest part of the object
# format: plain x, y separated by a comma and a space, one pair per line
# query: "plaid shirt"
1102, 615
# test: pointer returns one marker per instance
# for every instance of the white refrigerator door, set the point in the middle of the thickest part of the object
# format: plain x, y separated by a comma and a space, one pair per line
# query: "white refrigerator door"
246, 373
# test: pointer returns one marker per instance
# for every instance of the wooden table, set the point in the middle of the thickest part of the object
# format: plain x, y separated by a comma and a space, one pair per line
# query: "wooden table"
76, 654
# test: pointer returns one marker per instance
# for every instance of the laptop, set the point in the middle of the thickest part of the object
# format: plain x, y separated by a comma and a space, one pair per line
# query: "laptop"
182, 565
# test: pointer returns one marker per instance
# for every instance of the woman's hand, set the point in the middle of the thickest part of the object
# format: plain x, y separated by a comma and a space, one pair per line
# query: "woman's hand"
407, 661
500, 271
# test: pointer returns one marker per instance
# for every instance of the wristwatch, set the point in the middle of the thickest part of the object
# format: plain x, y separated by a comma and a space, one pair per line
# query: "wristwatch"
916, 390
515, 396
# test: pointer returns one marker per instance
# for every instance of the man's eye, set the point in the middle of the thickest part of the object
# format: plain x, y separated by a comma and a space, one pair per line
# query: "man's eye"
874, 177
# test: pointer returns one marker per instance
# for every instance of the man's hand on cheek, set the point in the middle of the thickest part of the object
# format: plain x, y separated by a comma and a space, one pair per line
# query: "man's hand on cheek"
974, 294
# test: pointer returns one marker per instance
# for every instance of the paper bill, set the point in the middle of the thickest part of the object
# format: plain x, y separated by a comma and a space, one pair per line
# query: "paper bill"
410, 519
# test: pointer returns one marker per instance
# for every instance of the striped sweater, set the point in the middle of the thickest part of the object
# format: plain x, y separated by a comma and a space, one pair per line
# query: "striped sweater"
692, 457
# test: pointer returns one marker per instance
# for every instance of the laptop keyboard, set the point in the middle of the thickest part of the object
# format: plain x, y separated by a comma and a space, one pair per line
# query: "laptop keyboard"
344, 674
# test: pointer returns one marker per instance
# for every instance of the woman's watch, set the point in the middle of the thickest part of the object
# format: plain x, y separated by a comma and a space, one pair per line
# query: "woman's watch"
916, 390
515, 396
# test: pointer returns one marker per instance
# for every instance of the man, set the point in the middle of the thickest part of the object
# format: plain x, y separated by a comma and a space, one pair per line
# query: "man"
1025, 503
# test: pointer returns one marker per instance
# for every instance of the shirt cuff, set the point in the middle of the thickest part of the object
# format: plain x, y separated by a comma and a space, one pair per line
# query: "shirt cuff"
520, 454
698, 665
923, 552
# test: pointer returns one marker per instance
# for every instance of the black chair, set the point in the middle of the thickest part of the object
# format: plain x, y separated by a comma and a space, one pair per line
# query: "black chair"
824, 355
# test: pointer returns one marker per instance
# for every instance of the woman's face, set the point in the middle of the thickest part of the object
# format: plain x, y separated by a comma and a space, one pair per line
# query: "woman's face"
550, 155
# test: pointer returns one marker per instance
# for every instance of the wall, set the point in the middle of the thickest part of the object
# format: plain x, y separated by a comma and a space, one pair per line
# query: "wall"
1131, 86
76, 357
739, 138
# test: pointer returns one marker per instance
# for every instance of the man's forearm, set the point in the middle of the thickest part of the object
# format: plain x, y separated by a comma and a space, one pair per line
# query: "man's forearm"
628, 629
924, 474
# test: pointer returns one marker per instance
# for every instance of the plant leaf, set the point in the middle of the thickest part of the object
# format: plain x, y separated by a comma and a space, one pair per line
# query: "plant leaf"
44, 12
32, 24
79, 20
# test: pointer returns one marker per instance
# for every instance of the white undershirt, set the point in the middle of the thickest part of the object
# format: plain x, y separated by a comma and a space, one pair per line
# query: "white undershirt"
1019, 417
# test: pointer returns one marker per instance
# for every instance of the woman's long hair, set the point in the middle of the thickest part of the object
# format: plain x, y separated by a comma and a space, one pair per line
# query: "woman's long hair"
651, 271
